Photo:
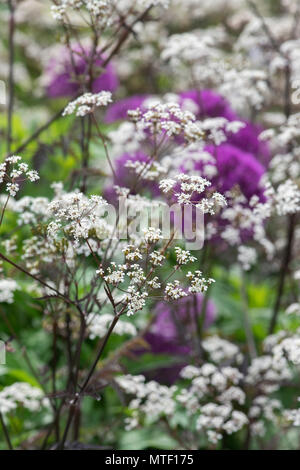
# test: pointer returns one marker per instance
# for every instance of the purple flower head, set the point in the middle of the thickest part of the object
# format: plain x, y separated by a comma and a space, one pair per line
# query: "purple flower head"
174, 321
247, 139
236, 168
174, 330
210, 104
68, 74
118, 110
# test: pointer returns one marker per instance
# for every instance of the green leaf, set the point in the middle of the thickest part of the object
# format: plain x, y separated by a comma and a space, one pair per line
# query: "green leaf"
22, 376
148, 438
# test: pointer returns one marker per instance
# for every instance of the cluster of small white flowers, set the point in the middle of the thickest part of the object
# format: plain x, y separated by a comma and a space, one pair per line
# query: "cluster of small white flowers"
287, 198
184, 198
216, 392
154, 283
98, 7
104, 11
219, 199
13, 178
220, 417
189, 10
101, 9
133, 278
115, 273
36, 252
198, 283
190, 155
7, 288
98, 326
136, 274
246, 89
263, 408
222, 384
76, 214
152, 400
87, 103
136, 203
173, 291
216, 129
209, 375
213, 130
12, 188
200, 54
276, 59
152, 235
240, 217
285, 166
134, 300
160, 118
58, 12
167, 185
222, 351
193, 50
183, 256
247, 257
150, 171
22, 394
285, 136
288, 348
283, 200
156, 258
190, 187
192, 183
132, 253
267, 373
208, 206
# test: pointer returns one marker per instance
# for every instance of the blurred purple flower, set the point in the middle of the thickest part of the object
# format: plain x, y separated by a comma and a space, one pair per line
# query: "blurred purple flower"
174, 330
247, 139
208, 103
236, 167
66, 76
173, 321
118, 110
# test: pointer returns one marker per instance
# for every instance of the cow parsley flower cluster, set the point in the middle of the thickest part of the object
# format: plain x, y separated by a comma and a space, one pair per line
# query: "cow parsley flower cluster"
24, 395
205, 382
187, 189
7, 288
13, 171
98, 326
102, 10
150, 398
75, 214
87, 103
